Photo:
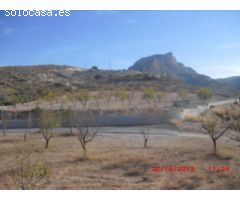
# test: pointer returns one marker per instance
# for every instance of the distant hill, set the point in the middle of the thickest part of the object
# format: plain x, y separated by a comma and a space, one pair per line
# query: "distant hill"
167, 65
234, 81
32, 82
163, 72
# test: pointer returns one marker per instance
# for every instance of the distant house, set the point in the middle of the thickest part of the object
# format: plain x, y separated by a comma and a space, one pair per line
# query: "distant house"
180, 103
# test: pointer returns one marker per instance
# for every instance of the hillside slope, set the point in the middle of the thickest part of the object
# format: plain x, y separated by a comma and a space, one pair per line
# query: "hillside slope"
26, 83
234, 81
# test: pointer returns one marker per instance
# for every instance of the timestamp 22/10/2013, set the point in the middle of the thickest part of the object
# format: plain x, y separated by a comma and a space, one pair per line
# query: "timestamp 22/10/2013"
190, 168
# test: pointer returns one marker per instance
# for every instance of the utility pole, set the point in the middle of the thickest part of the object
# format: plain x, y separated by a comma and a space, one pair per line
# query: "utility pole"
110, 65
3, 122
2, 111
85, 63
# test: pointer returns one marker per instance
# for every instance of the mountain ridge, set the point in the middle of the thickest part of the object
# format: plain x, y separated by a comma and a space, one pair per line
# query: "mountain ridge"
162, 71
232, 80
160, 63
167, 65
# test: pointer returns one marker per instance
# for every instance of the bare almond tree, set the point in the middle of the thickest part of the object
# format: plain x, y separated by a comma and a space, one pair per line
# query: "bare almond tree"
2, 118
215, 126
144, 130
148, 94
83, 96
145, 134
100, 95
86, 135
29, 124
48, 121
86, 131
4, 121
30, 173
130, 97
233, 113
237, 124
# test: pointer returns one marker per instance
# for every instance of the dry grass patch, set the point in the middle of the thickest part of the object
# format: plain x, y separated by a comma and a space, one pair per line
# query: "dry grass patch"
192, 117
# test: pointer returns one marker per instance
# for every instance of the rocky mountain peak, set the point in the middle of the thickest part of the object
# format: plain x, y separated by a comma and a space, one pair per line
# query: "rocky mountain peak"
161, 63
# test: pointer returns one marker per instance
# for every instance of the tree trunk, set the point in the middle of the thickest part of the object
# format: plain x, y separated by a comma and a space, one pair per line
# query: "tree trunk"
148, 102
84, 150
15, 112
3, 124
2, 113
182, 105
4, 131
85, 154
145, 143
46, 145
25, 136
22, 185
28, 126
214, 146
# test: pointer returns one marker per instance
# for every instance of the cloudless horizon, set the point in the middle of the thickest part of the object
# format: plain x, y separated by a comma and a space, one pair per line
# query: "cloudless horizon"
207, 41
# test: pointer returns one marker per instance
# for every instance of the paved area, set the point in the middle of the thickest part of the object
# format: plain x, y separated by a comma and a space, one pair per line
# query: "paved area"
122, 130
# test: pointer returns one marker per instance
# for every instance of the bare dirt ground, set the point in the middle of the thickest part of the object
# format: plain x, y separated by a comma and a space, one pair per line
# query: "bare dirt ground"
119, 161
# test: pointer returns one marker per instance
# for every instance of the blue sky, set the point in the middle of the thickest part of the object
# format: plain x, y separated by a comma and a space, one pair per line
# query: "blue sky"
208, 41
